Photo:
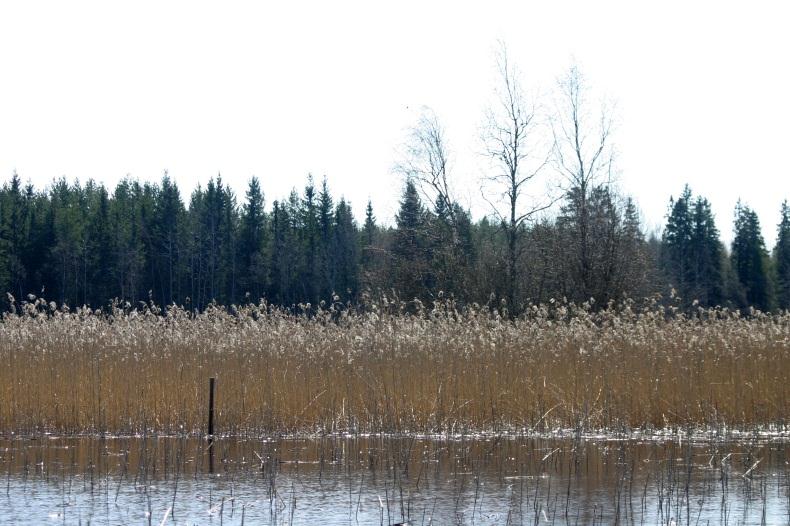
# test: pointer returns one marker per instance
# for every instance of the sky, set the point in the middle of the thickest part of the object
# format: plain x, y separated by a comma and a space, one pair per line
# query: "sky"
101, 90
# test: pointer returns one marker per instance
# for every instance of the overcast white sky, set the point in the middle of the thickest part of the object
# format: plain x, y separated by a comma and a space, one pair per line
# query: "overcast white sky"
105, 89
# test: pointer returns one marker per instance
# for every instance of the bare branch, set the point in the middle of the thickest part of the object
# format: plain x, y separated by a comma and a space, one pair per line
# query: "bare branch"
425, 160
584, 157
513, 142
578, 156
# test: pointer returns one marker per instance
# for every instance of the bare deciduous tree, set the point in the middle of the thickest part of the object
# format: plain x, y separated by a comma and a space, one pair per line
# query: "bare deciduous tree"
425, 163
583, 156
514, 143
425, 160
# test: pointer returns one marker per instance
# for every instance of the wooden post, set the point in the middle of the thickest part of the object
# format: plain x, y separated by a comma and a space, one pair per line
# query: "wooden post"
211, 383
211, 407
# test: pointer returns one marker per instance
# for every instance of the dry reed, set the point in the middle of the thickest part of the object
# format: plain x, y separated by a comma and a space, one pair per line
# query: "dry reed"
382, 370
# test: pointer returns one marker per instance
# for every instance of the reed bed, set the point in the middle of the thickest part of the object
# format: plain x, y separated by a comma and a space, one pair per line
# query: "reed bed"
382, 368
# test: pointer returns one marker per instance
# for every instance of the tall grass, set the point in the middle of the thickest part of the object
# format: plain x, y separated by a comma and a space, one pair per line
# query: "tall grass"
441, 369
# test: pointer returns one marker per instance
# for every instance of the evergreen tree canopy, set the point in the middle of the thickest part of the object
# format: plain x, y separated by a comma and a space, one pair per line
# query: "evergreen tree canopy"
691, 253
252, 243
750, 259
782, 259
83, 244
410, 251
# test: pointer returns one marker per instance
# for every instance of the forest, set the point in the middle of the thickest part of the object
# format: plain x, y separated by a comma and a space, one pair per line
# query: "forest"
84, 244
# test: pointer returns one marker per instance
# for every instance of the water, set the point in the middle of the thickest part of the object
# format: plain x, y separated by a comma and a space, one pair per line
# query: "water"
388, 480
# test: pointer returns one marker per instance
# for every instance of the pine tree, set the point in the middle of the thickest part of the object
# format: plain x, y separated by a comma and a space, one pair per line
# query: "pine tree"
782, 259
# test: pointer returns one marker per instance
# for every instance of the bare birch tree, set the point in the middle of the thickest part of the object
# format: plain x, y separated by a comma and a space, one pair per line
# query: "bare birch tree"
514, 143
426, 161
583, 156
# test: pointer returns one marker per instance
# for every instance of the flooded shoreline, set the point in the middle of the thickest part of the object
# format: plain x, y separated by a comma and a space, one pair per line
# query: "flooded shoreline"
390, 480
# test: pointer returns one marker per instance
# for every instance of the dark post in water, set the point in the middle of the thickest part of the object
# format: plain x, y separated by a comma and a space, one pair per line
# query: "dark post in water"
211, 407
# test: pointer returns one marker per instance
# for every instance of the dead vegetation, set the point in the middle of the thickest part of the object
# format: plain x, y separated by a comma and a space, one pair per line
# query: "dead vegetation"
441, 369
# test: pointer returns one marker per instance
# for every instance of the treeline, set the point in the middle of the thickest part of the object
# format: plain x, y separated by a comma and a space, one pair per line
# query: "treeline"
84, 244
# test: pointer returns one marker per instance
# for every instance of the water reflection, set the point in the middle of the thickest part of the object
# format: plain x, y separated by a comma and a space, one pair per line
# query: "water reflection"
389, 480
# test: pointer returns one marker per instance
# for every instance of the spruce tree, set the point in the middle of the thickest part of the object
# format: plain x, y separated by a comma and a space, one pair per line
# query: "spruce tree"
5, 279
782, 259
691, 254
278, 266
370, 257
14, 237
345, 252
411, 270
229, 231
369, 230
750, 259
676, 242
169, 240
632, 253
67, 251
327, 266
100, 236
284, 271
252, 240
451, 247
705, 256
309, 264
